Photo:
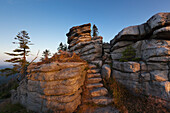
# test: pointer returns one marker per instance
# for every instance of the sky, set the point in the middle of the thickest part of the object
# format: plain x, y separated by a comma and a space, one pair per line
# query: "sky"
48, 21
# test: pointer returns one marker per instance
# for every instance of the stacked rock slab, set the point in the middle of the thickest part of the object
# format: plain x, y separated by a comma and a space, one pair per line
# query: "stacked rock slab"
150, 75
54, 87
90, 50
106, 53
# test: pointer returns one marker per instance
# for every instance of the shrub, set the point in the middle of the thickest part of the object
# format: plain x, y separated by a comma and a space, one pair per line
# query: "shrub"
129, 54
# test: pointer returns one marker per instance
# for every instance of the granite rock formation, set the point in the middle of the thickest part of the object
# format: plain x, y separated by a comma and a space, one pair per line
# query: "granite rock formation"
150, 73
54, 87
90, 49
57, 86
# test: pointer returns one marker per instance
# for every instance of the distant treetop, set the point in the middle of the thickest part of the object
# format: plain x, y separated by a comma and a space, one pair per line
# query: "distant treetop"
95, 31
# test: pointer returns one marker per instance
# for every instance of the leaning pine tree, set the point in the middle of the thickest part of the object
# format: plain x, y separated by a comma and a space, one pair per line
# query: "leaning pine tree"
19, 54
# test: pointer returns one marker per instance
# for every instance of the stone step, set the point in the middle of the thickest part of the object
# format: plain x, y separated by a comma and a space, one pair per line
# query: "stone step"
95, 85
97, 62
93, 71
92, 66
101, 91
102, 100
94, 80
93, 75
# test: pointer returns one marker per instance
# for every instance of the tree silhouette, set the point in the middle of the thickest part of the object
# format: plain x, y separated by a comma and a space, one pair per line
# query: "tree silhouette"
19, 54
95, 31
62, 47
46, 53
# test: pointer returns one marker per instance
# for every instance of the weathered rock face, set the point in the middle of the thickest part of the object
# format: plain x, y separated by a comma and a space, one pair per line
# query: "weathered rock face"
150, 74
54, 87
90, 49
79, 34
157, 24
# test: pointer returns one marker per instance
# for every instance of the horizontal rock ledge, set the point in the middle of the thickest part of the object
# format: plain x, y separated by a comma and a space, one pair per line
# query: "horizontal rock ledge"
54, 66
140, 31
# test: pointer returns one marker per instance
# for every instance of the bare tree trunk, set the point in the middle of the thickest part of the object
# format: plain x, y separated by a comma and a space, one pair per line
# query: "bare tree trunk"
23, 66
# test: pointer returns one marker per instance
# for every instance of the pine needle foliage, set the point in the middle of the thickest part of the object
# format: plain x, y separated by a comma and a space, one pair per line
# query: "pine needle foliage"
46, 53
95, 31
129, 54
62, 47
19, 54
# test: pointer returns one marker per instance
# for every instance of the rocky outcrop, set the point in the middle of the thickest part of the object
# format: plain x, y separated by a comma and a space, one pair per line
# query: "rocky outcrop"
90, 49
157, 25
79, 34
57, 86
54, 87
149, 72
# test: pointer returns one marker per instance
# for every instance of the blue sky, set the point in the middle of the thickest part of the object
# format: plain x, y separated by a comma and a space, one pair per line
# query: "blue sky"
48, 21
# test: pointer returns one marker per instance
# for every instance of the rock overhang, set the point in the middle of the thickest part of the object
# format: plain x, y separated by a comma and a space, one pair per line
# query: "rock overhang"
157, 26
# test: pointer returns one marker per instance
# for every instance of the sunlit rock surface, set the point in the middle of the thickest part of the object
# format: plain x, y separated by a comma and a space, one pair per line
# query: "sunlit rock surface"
150, 75
57, 86
53, 87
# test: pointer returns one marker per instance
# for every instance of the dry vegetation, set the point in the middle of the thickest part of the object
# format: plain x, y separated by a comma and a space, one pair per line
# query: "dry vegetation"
63, 57
126, 102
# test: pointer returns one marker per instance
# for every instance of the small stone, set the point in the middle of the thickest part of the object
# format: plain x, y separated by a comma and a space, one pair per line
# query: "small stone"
106, 71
